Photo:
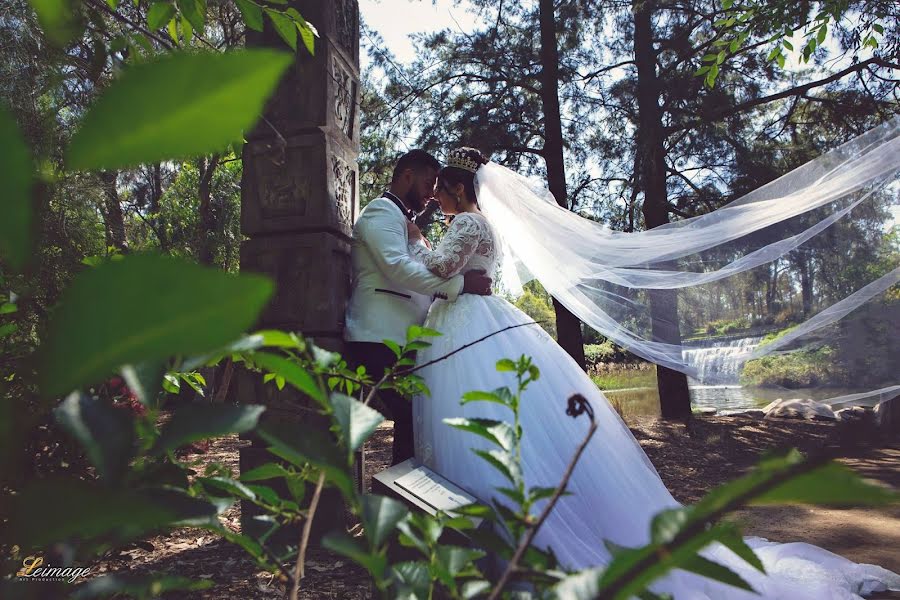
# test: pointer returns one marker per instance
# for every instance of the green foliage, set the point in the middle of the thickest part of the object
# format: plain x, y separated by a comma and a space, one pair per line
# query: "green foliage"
635, 375
106, 433
803, 368
775, 22
199, 422
210, 100
147, 315
58, 20
16, 225
144, 308
537, 304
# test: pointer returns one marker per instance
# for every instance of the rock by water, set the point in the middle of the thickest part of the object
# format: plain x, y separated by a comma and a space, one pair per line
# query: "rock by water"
799, 408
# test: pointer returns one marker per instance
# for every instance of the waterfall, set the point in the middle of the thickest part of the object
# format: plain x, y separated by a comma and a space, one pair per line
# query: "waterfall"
720, 363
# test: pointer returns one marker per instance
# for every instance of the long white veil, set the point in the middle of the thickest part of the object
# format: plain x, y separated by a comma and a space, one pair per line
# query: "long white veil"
824, 239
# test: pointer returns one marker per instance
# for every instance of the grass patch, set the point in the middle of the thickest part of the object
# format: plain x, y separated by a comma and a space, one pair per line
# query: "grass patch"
619, 378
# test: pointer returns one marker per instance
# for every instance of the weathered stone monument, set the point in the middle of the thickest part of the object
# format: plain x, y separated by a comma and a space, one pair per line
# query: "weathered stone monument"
299, 200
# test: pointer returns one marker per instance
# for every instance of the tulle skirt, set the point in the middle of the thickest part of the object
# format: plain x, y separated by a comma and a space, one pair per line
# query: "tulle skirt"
615, 490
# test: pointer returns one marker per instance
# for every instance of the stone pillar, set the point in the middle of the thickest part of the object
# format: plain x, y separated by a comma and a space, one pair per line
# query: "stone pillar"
299, 200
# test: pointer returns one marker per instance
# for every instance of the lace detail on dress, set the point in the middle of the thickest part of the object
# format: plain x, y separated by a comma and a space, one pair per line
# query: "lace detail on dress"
468, 236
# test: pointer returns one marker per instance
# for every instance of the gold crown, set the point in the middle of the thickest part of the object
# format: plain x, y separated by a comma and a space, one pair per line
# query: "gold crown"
459, 159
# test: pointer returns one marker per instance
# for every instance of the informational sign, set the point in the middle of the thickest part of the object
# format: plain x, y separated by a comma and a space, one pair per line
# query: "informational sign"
434, 490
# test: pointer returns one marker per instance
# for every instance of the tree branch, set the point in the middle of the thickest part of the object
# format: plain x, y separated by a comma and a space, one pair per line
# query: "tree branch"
532, 531
304, 538
136, 26
795, 91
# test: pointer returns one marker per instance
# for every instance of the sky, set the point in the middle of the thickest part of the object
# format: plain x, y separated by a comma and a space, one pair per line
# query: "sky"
395, 20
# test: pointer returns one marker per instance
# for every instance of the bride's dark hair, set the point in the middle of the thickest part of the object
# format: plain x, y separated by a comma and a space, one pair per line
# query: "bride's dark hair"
450, 175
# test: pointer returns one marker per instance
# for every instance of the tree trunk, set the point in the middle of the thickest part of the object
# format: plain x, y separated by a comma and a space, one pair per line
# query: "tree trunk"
112, 213
674, 398
207, 222
568, 327
156, 192
806, 281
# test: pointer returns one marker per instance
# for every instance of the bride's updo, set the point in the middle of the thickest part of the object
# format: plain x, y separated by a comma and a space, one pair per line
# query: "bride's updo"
462, 163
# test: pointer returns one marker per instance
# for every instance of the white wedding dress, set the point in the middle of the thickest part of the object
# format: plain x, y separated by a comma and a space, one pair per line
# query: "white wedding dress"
615, 489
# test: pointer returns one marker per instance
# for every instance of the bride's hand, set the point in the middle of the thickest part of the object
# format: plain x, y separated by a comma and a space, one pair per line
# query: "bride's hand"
415, 234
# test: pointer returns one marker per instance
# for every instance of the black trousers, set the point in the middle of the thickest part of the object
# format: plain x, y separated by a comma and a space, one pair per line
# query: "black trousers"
376, 358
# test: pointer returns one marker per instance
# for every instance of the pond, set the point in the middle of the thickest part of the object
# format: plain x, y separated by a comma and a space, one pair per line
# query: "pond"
645, 400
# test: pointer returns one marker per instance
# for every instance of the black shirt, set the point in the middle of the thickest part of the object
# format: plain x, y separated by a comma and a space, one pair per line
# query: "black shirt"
409, 213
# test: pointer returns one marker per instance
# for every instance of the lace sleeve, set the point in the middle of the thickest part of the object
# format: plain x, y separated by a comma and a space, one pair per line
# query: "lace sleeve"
456, 247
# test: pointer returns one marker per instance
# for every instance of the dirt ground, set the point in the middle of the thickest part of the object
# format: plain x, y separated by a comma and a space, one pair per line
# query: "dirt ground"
690, 458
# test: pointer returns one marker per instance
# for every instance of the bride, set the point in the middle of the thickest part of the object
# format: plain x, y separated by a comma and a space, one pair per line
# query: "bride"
615, 490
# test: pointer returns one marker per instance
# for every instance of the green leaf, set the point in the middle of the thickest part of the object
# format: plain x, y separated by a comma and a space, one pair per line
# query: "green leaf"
379, 516
344, 545
229, 486
172, 28
505, 364
195, 12
171, 384
159, 15
285, 27
413, 576
293, 373
500, 396
267, 471
513, 494
266, 494
787, 45
323, 358
732, 539
473, 589
357, 421
300, 444
395, 348
209, 100
503, 462
145, 380
8, 329
16, 224
542, 493
57, 20
584, 585
91, 511
713, 570
822, 33
830, 484
479, 511
417, 345
308, 37
143, 308
454, 558
106, 433
8, 308
251, 13
497, 432
417, 331
878, 27
200, 421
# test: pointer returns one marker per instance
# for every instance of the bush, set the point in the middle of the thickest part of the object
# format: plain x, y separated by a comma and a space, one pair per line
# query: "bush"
803, 368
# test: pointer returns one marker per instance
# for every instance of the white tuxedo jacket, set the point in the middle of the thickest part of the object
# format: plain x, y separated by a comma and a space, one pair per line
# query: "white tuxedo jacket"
391, 290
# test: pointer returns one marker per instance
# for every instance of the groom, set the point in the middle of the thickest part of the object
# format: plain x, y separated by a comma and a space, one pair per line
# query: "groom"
391, 290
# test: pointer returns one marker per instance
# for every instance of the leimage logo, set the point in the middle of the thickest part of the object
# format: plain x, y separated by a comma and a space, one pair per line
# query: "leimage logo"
33, 569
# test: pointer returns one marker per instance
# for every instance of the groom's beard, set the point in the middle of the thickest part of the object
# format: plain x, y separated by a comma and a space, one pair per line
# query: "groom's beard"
413, 201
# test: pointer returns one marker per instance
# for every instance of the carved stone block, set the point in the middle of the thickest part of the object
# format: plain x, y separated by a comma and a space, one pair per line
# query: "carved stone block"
309, 184
312, 279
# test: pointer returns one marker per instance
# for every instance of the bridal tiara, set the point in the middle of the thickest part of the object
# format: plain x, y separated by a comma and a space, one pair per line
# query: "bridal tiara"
459, 159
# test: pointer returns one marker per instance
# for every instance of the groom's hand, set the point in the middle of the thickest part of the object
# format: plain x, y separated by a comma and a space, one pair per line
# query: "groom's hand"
477, 282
